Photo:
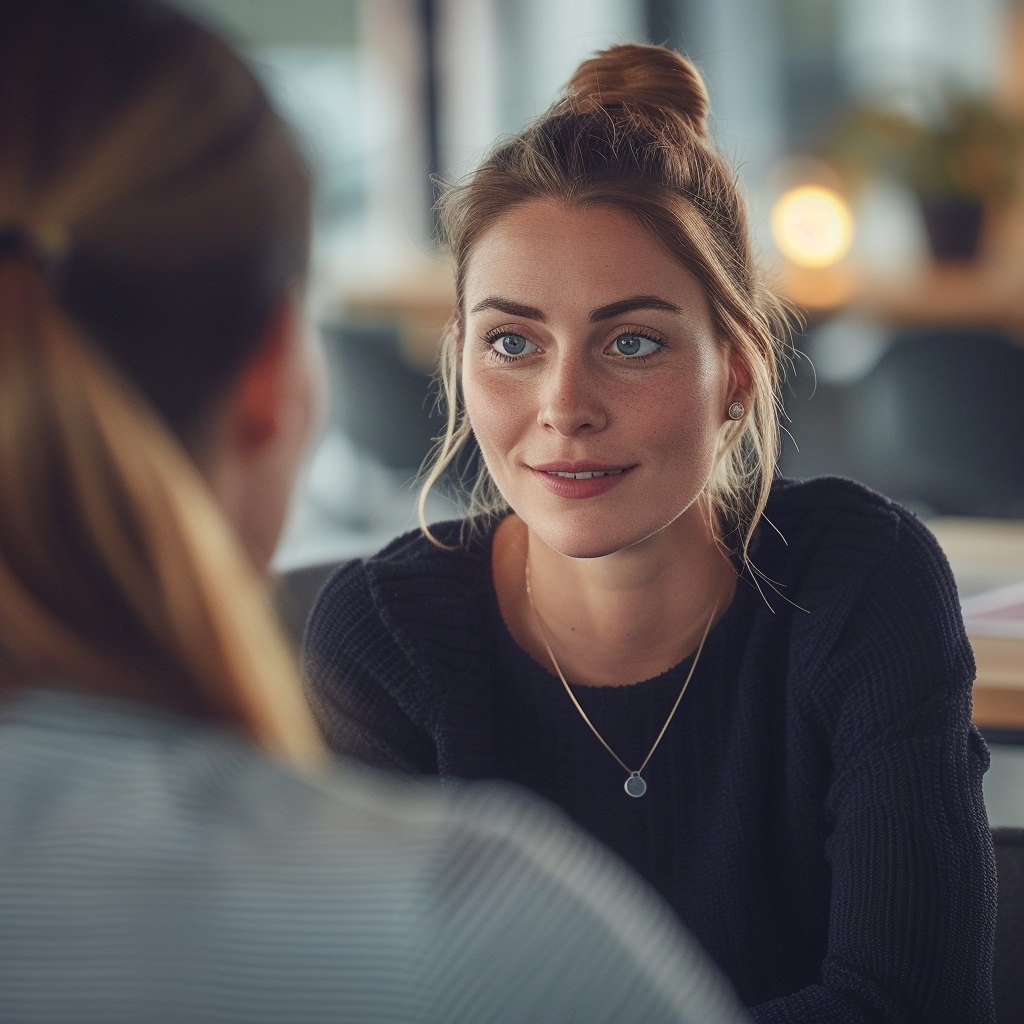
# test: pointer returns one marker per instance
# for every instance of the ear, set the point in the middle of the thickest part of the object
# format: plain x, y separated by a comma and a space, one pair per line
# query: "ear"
258, 391
255, 442
740, 381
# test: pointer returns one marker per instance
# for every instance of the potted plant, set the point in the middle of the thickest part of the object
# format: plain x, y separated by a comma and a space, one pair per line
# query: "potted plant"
960, 162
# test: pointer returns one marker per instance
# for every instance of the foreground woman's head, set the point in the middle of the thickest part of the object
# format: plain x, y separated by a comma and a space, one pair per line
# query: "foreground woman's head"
608, 302
153, 237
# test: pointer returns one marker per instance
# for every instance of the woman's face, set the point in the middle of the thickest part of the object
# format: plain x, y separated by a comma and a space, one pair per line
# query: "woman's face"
588, 349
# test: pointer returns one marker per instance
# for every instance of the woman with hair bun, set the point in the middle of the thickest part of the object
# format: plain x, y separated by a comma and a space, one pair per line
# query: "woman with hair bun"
175, 844
757, 691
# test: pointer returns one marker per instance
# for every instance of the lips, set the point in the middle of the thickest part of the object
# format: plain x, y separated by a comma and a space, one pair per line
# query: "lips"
586, 475
579, 466
580, 479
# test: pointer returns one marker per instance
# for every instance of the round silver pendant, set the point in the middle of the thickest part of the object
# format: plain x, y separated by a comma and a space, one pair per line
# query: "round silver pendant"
635, 786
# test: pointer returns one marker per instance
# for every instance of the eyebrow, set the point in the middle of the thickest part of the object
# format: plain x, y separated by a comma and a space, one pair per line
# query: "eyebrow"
518, 309
614, 309
609, 312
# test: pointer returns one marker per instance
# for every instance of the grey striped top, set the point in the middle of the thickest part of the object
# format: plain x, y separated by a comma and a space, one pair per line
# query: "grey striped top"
154, 869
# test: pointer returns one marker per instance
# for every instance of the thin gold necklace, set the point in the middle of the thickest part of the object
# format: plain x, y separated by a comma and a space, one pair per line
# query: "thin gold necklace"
635, 785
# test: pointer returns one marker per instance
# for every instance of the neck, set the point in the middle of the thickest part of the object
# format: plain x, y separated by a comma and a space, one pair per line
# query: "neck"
620, 618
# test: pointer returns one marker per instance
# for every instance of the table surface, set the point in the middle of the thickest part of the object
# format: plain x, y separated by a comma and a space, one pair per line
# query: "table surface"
984, 554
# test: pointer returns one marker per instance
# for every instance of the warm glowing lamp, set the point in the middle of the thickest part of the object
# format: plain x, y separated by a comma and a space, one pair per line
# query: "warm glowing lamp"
812, 226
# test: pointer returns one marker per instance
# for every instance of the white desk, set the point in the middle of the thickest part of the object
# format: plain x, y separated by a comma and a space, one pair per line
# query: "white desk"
984, 554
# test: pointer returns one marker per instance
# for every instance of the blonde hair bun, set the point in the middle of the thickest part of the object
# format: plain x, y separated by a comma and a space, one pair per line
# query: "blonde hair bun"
649, 79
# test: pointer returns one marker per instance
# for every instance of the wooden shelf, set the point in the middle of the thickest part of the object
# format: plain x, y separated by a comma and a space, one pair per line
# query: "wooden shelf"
979, 295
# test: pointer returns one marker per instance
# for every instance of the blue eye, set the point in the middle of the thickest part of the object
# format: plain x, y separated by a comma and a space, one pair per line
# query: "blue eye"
632, 345
511, 345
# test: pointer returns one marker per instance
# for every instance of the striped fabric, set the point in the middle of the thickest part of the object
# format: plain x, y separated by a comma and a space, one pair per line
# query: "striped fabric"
152, 869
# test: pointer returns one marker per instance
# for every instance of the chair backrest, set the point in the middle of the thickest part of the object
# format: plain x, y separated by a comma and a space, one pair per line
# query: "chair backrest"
382, 402
1008, 976
939, 423
296, 591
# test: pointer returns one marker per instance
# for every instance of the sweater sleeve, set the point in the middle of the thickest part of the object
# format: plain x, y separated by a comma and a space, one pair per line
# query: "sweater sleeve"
912, 913
348, 655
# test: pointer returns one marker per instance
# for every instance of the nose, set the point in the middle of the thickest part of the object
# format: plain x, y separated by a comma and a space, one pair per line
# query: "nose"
571, 399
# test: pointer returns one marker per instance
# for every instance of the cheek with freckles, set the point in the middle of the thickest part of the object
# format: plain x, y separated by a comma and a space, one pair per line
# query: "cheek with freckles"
500, 417
676, 437
675, 418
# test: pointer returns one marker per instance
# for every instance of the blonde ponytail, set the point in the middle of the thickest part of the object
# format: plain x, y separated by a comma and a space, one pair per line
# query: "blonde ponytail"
118, 571
154, 211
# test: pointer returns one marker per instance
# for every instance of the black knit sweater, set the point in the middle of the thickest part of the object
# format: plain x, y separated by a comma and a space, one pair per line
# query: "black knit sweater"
814, 813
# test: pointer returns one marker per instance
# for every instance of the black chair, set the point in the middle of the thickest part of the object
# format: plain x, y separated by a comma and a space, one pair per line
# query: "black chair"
1008, 975
813, 443
295, 593
938, 423
378, 398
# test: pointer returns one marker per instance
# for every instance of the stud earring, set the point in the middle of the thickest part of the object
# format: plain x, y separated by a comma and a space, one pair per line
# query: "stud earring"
736, 411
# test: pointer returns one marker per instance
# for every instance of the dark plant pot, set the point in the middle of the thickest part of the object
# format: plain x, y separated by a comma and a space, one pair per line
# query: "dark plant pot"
953, 224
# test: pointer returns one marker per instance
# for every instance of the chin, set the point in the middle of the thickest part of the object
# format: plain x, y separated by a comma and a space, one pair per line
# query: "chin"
589, 539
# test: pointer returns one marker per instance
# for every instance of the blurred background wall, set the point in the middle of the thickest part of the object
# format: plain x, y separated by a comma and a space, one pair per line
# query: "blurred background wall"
840, 95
